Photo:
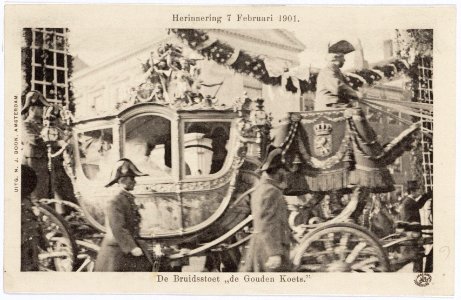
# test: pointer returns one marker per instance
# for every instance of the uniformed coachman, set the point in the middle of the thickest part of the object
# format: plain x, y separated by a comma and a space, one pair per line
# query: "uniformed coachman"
332, 88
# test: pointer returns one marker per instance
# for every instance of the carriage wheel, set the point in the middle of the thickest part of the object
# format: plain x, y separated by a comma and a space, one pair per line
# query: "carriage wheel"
87, 254
340, 247
57, 246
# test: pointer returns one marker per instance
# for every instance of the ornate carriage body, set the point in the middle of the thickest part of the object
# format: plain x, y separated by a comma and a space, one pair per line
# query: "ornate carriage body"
196, 165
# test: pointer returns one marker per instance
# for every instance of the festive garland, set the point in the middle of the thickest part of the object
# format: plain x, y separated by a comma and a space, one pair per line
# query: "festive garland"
254, 66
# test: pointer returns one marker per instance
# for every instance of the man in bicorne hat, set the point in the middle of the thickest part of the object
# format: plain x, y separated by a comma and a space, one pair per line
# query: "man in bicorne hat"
34, 149
119, 250
270, 243
332, 88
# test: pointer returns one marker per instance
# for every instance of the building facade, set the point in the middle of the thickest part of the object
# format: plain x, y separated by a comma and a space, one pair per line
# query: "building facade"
99, 89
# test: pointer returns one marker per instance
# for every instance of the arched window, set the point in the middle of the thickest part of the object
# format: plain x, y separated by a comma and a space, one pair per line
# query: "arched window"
97, 153
148, 144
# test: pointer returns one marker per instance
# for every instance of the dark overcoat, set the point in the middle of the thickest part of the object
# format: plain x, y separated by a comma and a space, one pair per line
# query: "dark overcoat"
409, 212
35, 155
409, 209
30, 237
271, 235
122, 219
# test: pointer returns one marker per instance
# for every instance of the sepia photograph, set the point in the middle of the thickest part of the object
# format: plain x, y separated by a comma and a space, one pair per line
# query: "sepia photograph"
189, 149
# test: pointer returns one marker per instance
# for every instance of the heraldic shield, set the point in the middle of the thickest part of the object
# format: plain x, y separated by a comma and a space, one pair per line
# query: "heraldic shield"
337, 149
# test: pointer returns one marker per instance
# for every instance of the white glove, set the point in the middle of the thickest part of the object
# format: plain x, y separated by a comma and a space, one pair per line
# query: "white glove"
274, 262
136, 251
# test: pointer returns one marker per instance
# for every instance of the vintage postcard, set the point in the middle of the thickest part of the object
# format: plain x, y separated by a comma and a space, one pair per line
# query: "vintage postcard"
221, 150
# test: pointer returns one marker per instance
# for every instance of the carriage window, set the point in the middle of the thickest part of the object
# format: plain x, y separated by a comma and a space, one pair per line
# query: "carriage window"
205, 147
148, 145
97, 153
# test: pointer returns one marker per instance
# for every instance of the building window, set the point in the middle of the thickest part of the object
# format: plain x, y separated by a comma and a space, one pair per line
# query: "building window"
49, 63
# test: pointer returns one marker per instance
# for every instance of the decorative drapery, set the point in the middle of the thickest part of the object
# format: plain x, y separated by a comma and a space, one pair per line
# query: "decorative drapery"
337, 149
257, 66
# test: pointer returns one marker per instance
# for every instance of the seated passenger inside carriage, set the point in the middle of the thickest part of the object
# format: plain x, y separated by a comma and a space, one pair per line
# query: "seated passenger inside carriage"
149, 158
148, 144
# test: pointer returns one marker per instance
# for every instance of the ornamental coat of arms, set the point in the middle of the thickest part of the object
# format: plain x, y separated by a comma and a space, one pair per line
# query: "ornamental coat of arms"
323, 145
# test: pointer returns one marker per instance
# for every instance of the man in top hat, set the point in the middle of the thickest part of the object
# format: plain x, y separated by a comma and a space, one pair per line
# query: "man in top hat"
34, 152
412, 203
270, 243
119, 250
332, 88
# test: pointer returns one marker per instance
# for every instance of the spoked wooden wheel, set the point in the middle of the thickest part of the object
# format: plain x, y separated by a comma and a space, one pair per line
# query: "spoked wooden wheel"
58, 248
340, 247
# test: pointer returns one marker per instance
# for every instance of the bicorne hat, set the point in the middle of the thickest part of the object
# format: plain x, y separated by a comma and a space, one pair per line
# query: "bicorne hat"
34, 98
340, 47
124, 168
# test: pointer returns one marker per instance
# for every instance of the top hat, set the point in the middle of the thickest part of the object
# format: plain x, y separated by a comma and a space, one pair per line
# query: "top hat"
124, 168
273, 159
340, 47
412, 185
34, 98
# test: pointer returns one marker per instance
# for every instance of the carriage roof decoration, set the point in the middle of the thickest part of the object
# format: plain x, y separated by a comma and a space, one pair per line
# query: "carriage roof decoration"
172, 79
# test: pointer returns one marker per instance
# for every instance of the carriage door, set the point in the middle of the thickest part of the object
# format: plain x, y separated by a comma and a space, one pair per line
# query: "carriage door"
205, 163
148, 144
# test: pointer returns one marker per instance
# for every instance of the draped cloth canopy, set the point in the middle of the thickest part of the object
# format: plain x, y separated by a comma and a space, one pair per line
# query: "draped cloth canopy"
337, 149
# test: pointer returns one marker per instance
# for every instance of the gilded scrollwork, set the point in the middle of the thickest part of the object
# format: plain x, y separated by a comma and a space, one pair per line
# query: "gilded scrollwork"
209, 184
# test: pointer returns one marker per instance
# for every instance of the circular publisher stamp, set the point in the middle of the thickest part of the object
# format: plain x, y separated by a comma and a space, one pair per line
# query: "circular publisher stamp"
423, 279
